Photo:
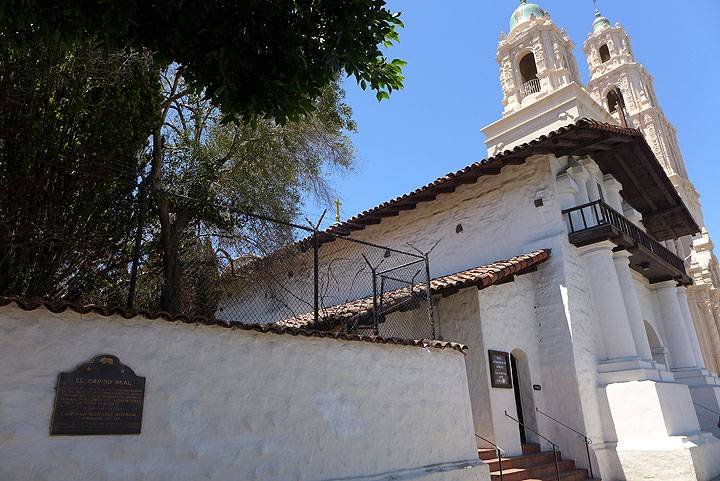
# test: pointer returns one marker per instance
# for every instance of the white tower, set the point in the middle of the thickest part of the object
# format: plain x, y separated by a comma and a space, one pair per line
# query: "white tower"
622, 86
539, 79
535, 58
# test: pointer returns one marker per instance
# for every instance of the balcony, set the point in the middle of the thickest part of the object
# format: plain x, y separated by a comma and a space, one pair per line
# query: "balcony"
530, 87
597, 221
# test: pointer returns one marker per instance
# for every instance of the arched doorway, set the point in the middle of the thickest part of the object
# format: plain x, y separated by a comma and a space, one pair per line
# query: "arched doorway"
524, 395
518, 398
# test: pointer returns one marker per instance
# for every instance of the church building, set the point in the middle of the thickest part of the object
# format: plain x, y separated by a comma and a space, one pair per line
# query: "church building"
571, 288
579, 248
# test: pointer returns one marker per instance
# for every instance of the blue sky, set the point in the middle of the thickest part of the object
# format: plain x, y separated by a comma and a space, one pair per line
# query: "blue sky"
452, 89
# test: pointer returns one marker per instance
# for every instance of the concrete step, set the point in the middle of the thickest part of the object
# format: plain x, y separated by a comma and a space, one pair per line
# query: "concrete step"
574, 475
535, 472
530, 448
487, 453
524, 461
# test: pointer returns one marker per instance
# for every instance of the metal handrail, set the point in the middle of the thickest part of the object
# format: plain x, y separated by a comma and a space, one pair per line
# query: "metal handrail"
707, 409
603, 214
588, 441
530, 87
554, 446
498, 451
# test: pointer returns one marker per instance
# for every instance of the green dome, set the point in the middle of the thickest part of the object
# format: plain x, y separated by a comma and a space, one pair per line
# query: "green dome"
600, 22
524, 12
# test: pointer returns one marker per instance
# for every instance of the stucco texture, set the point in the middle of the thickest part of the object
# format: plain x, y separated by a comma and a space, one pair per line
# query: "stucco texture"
231, 404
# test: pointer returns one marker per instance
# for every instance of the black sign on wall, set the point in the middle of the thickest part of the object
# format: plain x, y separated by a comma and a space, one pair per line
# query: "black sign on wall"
500, 376
102, 396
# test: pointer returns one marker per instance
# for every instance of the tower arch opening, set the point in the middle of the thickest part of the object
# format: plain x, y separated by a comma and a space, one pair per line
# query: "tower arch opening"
615, 100
528, 68
604, 53
528, 74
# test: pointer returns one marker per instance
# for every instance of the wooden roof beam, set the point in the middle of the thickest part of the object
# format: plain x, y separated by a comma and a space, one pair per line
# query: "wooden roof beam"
369, 220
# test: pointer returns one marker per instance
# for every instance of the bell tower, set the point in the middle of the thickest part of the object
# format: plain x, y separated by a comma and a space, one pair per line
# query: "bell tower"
625, 89
540, 81
535, 58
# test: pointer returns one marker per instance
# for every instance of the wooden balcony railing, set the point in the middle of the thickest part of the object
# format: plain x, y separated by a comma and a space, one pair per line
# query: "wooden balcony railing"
597, 214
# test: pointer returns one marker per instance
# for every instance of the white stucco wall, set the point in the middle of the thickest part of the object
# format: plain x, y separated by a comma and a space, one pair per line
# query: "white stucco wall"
232, 404
509, 324
458, 317
497, 214
548, 315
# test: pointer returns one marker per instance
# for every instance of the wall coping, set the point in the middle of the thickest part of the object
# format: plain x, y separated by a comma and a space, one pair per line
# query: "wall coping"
62, 306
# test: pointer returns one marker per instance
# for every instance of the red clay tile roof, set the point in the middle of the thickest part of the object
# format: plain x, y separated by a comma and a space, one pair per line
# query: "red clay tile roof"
400, 299
620, 151
57, 307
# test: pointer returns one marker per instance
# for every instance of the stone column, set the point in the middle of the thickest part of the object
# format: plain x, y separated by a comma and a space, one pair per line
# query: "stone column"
678, 342
567, 190
704, 309
612, 190
582, 197
690, 327
632, 304
580, 175
612, 316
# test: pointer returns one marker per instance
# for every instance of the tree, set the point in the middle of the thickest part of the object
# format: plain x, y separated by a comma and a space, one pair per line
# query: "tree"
255, 58
264, 64
208, 172
73, 123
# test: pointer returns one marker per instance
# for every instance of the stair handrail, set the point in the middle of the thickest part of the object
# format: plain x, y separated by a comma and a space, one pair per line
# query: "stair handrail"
707, 408
498, 451
554, 446
587, 439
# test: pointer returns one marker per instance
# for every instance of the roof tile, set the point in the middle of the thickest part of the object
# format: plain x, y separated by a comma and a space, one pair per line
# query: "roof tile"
480, 277
62, 306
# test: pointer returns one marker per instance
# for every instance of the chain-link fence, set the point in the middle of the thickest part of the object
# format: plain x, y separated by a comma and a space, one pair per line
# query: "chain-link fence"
255, 270
313, 280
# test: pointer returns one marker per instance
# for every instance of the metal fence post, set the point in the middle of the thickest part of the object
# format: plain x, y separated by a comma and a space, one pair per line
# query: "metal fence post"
144, 191
376, 329
429, 296
316, 281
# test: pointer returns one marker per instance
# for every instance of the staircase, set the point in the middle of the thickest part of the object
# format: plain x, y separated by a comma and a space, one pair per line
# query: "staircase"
533, 465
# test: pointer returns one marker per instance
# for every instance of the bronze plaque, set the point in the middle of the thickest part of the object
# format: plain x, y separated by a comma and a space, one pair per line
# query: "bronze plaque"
500, 369
102, 396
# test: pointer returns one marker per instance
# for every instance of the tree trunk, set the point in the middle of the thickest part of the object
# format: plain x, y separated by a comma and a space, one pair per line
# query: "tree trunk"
172, 266
169, 235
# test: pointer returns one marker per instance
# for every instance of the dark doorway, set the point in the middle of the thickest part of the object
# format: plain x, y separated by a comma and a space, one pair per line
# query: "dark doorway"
518, 398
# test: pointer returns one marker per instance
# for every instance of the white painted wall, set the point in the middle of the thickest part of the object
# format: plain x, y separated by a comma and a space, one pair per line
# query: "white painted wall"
548, 315
232, 404
498, 216
458, 317
509, 324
